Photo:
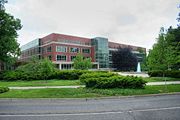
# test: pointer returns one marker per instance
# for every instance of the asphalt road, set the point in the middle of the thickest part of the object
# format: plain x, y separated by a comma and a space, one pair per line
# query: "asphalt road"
166, 107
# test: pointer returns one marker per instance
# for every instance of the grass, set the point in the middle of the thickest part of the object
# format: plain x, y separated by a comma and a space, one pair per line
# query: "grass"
160, 79
56, 82
86, 93
40, 83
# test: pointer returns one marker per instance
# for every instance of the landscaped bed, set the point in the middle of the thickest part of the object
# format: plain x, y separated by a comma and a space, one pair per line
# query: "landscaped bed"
87, 92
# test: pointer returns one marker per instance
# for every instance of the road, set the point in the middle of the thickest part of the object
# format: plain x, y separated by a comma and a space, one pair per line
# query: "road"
166, 107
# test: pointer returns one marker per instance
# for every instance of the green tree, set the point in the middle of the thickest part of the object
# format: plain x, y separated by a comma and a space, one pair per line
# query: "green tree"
46, 68
178, 18
2, 2
165, 54
173, 41
82, 63
157, 58
9, 48
38, 68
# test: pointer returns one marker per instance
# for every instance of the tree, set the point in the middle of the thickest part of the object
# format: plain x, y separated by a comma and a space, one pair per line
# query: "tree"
165, 54
123, 59
178, 18
156, 57
38, 68
2, 2
9, 48
82, 63
46, 68
173, 41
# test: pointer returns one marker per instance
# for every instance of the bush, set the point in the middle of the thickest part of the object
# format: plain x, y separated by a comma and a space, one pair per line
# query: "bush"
96, 75
167, 73
3, 89
21, 74
110, 80
68, 74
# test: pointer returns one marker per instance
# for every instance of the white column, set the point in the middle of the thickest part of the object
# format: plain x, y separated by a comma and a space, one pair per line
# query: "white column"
98, 66
60, 66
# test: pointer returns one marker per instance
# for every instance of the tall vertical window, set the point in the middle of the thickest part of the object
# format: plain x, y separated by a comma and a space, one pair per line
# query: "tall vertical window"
74, 49
61, 58
49, 49
50, 57
73, 57
61, 49
85, 50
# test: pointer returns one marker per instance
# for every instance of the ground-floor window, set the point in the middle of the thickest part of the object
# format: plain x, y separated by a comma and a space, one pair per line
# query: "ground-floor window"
66, 66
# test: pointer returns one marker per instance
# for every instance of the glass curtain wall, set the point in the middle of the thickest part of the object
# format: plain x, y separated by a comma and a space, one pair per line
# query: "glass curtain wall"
101, 51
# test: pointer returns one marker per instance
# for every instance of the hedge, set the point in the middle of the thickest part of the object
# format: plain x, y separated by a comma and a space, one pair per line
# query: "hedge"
112, 81
68, 74
3, 89
167, 73
57, 74
96, 75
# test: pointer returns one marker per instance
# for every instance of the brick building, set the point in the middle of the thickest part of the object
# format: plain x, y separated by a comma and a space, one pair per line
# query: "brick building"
62, 49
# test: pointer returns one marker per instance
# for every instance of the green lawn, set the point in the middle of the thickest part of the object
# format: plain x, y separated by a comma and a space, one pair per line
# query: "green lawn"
66, 82
40, 83
86, 93
159, 79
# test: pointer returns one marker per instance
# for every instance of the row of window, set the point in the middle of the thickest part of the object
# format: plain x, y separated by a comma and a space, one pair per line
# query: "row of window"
74, 42
62, 57
72, 49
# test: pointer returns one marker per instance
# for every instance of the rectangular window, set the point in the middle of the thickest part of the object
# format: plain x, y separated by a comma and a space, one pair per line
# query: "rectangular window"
61, 58
50, 57
76, 50
49, 49
61, 49
73, 57
85, 50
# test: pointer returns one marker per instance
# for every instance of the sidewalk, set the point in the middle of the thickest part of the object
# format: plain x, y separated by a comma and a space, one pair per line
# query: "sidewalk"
78, 86
163, 83
43, 87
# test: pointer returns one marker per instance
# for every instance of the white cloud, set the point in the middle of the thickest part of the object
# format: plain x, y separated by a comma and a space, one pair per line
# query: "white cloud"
135, 22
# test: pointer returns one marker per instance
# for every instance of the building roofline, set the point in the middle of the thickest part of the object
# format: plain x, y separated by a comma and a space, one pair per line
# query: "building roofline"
66, 35
126, 44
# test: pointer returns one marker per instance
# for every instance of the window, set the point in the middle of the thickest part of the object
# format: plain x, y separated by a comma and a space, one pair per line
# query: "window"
50, 57
66, 66
72, 58
76, 50
61, 58
49, 49
61, 49
84, 50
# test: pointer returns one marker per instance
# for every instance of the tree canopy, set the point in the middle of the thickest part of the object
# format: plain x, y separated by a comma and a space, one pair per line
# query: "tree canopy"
123, 59
43, 68
9, 48
166, 52
82, 63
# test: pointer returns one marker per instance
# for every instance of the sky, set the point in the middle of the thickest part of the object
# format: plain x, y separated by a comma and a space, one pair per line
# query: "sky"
134, 22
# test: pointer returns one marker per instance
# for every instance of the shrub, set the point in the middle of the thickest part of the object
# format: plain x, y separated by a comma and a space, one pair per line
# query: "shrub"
68, 74
3, 89
110, 80
167, 73
96, 75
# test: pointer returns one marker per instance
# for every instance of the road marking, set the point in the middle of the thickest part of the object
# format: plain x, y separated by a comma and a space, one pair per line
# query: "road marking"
156, 109
82, 114
67, 114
